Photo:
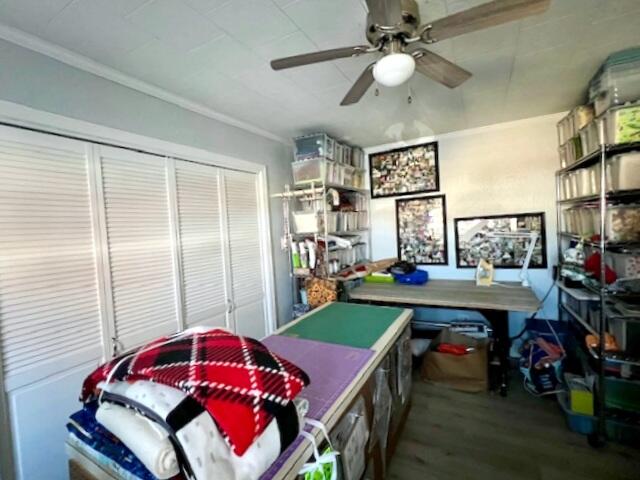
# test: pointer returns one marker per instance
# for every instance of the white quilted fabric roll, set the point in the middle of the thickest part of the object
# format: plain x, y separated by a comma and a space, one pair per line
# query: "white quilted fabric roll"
145, 438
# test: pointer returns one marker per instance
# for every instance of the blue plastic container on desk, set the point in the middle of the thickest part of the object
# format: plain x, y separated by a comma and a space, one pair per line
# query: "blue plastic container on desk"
419, 277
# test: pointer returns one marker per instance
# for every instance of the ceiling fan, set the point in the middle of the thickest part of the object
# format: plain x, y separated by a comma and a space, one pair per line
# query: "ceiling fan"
393, 28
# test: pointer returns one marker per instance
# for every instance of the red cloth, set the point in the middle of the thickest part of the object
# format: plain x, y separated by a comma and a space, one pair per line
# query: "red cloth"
452, 349
592, 265
236, 379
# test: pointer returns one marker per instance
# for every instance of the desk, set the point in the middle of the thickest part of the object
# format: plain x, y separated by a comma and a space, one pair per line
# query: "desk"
493, 302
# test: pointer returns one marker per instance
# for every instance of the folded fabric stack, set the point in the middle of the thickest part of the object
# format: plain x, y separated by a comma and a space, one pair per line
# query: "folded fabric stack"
201, 404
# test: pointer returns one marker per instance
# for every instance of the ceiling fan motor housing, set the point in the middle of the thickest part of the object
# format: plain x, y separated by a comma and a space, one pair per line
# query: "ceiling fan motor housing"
406, 27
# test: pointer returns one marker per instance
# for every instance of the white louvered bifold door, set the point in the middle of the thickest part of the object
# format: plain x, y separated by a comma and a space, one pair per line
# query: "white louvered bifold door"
245, 255
201, 244
50, 315
140, 246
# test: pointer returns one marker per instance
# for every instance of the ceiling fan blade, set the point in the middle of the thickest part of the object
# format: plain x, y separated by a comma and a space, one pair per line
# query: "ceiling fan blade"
359, 88
484, 16
439, 69
317, 57
385, 12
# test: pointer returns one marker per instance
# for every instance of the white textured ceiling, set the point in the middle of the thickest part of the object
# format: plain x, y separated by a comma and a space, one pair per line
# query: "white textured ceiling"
217, 52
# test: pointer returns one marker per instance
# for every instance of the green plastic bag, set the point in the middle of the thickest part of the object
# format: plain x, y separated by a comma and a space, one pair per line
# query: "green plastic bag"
325, 466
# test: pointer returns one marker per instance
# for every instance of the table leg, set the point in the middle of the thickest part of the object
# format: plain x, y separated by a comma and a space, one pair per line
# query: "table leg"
500, 323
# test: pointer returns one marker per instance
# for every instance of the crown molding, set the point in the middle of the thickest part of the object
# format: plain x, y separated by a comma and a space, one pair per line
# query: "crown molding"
551, 117
61, 54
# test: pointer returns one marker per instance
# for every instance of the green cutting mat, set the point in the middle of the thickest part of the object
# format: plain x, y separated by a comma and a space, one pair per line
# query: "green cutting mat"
348, 324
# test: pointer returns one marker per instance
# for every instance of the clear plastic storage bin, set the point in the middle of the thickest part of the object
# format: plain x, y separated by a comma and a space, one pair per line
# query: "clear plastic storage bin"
624, 264
316, 170
627, 333
623, 223
306, 222
569, 153
583, 180
358, 178
570, 225
573, 184
349, 173
589, 138
617, 81
587, 221
339, 153
623, 172
317, 145
357, 159
594, 177
622, 124
582, 116
565, 188
564, 156
348, 155
566, 129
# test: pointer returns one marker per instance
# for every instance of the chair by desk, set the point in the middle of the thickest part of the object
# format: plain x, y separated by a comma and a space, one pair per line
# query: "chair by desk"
494, 303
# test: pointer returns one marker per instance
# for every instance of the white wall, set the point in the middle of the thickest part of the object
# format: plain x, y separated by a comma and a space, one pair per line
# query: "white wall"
504, 168
39, 82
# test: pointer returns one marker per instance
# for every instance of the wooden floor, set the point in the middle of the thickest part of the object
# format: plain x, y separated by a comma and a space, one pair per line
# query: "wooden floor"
456, 436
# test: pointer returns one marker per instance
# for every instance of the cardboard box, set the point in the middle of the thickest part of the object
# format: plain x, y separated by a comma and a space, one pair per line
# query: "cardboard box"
468, 373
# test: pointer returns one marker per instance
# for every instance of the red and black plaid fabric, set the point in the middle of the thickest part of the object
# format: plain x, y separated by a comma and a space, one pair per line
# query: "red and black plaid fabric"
236, 379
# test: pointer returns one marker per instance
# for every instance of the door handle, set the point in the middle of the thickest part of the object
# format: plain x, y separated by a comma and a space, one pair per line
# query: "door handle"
229, 307
116, 346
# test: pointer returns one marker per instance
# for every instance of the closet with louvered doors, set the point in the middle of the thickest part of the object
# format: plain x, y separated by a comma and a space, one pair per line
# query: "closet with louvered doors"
182, 247
103, 249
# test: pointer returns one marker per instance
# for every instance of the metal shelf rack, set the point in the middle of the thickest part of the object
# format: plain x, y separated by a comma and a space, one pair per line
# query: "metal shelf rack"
600, 295
318, 192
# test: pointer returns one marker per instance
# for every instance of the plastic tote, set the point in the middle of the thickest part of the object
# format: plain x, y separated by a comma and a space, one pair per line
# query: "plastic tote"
317, 145
577, 422
419, 277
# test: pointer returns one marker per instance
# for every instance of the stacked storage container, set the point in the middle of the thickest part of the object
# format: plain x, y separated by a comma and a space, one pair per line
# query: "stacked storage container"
321, 159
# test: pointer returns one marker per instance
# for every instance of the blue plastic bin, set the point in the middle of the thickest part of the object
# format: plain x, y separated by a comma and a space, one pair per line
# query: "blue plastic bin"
577, 422
419, 277
617, 431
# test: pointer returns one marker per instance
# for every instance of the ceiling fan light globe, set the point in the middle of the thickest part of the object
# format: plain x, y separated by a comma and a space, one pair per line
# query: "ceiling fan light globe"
394, 69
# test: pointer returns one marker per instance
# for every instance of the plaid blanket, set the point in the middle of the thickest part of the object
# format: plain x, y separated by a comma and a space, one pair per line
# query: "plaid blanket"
237, 380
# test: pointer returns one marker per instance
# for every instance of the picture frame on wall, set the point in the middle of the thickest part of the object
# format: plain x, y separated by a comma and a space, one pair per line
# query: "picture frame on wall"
405, 171
479, 238
421, 230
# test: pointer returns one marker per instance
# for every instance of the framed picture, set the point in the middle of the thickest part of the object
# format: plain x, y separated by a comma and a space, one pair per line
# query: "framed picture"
422, 230
405, 171
480, 237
